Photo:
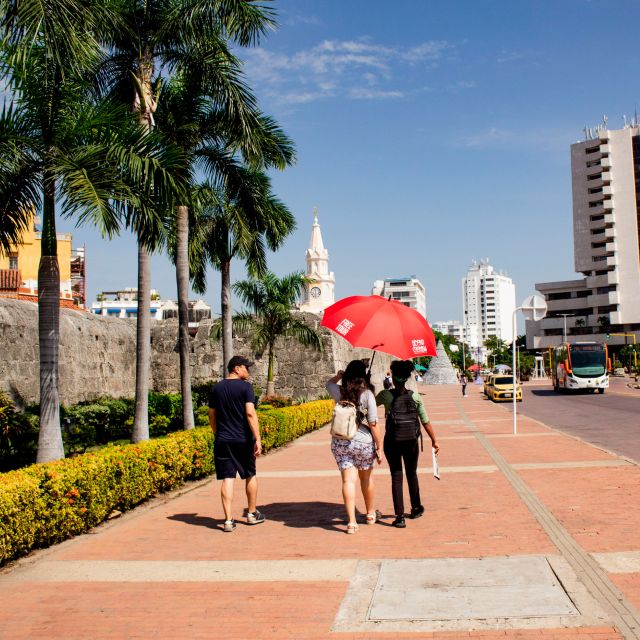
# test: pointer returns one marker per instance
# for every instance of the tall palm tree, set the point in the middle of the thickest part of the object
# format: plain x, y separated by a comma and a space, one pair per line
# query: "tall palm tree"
270, 300
58, 145
236, 226
197, 114
161, 35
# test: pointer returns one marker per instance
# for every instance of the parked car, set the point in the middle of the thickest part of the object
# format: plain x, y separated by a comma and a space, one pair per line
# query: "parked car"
487, 384
500, 389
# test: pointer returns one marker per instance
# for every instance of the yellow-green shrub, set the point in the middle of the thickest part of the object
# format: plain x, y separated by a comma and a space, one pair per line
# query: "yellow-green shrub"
279, 426
46, 503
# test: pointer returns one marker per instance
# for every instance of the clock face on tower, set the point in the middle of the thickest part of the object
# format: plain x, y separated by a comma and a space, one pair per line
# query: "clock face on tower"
315, 292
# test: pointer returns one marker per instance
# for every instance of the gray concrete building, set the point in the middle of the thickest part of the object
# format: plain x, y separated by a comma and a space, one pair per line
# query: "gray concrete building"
605, 171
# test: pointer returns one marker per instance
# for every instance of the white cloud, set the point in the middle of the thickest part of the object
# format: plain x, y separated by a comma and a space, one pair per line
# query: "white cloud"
338, 68
490, 137
372, 94
537, 139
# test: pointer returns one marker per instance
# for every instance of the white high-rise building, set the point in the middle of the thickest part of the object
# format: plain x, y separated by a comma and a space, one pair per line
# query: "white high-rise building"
320, 294
605, 171
450, 328
488, 301
410, 291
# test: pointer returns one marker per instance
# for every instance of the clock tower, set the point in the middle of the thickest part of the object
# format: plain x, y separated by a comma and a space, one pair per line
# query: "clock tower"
320, 293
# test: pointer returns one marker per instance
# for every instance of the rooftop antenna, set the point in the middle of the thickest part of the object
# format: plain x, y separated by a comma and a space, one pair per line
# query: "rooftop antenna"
624, 119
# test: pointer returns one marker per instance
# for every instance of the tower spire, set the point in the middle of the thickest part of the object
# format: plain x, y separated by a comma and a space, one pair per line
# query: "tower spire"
320, 290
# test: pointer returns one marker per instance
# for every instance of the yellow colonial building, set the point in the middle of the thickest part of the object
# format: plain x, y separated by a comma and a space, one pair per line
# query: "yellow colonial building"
19, 269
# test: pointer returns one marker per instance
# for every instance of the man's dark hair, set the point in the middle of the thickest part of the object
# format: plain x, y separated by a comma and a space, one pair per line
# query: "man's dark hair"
402, 369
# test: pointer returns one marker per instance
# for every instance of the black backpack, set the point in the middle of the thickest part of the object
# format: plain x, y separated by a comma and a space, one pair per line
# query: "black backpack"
403, 422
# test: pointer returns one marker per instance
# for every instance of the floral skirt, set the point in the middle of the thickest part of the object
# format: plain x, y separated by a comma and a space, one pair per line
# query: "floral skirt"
357, 453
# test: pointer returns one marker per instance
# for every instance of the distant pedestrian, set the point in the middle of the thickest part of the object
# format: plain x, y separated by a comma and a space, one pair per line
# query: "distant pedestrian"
463, 385
234, 421
405, 414
355, 458
387, 382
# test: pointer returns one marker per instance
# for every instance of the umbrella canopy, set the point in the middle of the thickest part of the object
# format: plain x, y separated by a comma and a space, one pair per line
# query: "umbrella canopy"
502, 367
374, 322
474, 367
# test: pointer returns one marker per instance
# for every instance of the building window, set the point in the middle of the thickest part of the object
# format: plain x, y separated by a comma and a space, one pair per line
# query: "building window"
13, 261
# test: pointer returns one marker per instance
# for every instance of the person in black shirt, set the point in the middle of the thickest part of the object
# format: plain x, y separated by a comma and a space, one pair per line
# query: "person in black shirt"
234, 421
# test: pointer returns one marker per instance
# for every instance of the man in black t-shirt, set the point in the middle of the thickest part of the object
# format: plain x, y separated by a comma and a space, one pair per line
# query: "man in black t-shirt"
234, 421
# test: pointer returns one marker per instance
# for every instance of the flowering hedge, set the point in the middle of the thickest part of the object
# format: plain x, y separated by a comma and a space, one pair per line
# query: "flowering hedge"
47, 503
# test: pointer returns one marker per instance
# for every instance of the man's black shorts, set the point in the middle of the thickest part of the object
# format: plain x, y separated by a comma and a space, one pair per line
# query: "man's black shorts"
234, 457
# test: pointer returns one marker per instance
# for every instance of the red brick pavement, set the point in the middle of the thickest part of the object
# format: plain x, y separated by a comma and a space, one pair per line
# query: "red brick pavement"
472, 512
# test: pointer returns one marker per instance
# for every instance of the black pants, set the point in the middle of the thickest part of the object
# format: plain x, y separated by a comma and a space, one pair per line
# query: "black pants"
396, 453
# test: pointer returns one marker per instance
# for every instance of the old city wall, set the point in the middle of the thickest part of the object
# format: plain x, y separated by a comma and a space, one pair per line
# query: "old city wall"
97, 357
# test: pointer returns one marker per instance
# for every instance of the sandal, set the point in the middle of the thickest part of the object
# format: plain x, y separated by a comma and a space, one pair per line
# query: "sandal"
352, 527
372, 518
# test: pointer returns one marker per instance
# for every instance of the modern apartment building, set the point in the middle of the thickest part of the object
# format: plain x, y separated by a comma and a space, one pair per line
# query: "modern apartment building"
488, 302
605, 171
450, 328
409, 290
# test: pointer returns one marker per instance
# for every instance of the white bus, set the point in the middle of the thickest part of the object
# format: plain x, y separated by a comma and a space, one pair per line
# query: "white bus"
581, 365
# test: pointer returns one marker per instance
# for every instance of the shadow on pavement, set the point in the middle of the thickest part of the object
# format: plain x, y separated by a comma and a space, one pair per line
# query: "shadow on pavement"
195, 519
306, 515
543, 392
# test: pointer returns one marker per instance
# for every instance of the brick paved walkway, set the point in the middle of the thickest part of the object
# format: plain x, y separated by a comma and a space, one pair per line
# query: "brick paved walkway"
168, 571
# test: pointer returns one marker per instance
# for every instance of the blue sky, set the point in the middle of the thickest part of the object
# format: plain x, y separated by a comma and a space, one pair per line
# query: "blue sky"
428, 133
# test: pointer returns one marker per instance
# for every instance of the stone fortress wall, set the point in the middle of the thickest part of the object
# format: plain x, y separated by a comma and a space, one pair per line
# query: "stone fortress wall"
97, 357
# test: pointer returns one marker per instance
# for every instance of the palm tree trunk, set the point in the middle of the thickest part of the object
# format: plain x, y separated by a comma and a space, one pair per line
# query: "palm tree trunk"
182, 277
50, 445
271, 387
227, 329
145, 106
143, 347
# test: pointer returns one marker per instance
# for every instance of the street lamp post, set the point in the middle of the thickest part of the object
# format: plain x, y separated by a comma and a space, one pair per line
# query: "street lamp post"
564, 317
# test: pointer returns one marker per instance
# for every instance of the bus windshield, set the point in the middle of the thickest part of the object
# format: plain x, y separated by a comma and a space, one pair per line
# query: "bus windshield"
587, 363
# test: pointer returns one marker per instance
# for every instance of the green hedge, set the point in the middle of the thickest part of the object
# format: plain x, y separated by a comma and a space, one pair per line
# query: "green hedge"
47, 503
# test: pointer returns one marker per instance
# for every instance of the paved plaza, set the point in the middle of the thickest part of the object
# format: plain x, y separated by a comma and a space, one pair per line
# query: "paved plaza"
529, 536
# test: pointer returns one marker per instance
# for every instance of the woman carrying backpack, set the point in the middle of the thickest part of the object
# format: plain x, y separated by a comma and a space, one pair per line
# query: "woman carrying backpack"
405, 414
356, 457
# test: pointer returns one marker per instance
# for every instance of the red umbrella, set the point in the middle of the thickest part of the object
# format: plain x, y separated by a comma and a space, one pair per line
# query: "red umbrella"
474, 367
374, 322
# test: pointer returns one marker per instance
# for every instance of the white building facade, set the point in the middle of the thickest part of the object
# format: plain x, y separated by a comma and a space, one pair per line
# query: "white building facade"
410, 291
124, 304
320, 293
453, 328
488, 302
605, 170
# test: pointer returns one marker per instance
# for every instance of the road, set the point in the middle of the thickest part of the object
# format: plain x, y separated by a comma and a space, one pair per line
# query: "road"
610, 421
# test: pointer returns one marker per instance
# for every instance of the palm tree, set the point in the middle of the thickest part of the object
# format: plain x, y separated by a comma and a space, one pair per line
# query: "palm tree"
58, 145
241, 222
162, 35
202, 121
270, 300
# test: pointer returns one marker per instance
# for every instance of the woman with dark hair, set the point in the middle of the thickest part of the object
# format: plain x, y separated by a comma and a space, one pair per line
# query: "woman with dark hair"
410, 416
355, 458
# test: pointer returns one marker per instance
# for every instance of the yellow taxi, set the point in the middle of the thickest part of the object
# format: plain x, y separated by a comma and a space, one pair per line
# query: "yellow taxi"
500, 389
487, 383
